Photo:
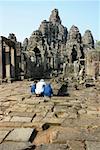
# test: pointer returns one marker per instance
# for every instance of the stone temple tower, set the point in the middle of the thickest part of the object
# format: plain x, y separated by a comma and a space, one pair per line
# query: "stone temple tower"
51, 45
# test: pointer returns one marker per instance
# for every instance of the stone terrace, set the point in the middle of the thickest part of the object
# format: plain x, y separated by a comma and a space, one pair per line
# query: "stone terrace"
59, 123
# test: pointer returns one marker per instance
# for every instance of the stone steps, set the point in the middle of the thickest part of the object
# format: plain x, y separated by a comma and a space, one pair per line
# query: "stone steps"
70, 122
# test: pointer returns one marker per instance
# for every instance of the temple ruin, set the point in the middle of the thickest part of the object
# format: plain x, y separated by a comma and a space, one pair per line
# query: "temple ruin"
68, 120
52, 46
50, 51
10, 58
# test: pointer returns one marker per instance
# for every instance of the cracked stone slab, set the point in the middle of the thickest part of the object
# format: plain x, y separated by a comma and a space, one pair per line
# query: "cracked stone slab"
12, 98
33, 101
20, 134
21, 114
83, 121
53, 120
14, 145
80, 134
8, 124
3, 134
76, 145
21, 119
92, 145
53, 147
6, 118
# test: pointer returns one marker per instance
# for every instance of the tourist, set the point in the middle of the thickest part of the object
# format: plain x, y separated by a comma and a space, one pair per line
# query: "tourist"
48, 90
33, 87
40, 88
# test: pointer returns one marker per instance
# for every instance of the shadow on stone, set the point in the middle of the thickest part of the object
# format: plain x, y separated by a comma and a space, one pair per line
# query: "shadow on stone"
33, 135
32, 147
89, 85
63, 91
45, 126
48, 125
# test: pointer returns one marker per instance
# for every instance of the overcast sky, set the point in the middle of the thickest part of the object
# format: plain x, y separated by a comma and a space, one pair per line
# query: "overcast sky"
22, 17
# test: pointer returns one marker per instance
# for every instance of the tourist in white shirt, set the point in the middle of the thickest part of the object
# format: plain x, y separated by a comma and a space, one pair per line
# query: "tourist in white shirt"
40, 88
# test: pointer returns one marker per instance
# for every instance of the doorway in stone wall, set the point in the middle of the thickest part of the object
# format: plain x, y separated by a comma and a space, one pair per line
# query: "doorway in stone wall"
74, 54
4, 63
38, 56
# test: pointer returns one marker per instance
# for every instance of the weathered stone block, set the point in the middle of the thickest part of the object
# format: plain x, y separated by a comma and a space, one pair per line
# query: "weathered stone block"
52, 147
20, 119
76, 145
92, 63
3, 134
92, 145
14, 145
20, 134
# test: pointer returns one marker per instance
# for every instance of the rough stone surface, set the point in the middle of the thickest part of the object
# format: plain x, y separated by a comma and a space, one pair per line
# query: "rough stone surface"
20, 134
49, 52
92, 145
3, 135
71, 121
14, 145
21, 119
53, 146
52, 46
92, 63
87, 39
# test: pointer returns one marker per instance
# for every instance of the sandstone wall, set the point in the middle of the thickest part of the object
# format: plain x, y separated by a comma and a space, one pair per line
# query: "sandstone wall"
93, 63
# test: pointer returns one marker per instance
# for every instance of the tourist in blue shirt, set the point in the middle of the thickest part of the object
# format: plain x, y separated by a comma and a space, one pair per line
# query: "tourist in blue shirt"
48, 90
33, 87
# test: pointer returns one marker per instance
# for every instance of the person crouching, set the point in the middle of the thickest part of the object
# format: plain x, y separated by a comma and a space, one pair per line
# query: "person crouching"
48, 92
33, 87
39, 91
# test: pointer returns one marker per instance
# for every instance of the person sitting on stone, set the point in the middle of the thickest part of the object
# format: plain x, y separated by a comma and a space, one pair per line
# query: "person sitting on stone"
40, 88
48, 90
33, 87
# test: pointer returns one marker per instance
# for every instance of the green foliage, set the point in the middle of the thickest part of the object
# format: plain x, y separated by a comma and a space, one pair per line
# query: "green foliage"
98, 45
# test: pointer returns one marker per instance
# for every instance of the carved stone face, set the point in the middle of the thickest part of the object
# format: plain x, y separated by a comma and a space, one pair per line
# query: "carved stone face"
44, 27
73, 35
12, 37
55, 12
36, 33
36, 36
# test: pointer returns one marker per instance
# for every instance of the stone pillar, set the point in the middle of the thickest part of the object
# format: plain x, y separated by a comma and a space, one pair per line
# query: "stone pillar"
76, 69
51, 63
64, 69
92, 63
99, 63
12, 62
1, 69
55, 67
23, 68
7, 53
